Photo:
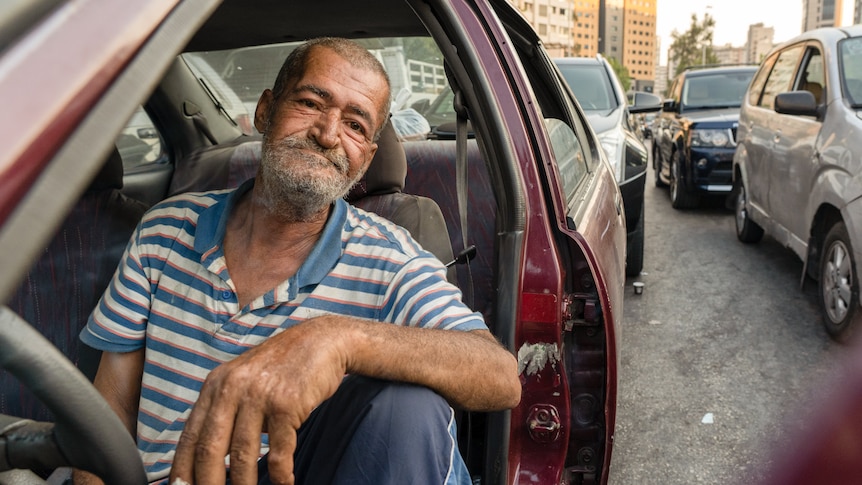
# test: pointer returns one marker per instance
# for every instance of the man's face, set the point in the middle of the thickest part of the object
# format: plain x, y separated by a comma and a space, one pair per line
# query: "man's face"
318, 134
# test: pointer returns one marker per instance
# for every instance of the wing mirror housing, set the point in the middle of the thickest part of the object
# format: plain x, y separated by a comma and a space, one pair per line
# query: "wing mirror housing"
644, 102
797, 103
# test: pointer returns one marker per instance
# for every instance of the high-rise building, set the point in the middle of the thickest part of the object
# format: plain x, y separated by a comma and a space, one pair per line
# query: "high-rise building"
553, 20
728, 54
639, 38
586, 29
820, 13
611, 28
857, 12
758, 43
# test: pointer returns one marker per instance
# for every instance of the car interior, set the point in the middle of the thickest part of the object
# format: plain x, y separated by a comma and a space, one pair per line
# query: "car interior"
190, 134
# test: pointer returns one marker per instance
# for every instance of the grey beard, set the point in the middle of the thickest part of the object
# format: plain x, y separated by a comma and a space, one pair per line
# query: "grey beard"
290, 187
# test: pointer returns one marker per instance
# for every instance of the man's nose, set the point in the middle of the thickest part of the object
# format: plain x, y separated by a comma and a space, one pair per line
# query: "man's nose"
326, 128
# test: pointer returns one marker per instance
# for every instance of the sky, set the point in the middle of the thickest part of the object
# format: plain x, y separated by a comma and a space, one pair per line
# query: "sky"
732, 18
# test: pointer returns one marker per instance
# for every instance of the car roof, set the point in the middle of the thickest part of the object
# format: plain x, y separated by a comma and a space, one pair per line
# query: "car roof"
240, 23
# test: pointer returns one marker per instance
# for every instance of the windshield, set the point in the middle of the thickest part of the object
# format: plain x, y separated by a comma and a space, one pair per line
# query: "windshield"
720, 90
851, 70
420, 95
591, 86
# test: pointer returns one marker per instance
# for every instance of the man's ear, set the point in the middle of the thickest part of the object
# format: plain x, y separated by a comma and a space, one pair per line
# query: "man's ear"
262, 112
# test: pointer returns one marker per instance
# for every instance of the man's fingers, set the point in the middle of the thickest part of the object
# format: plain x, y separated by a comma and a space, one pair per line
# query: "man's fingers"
282, 444
245, 447
205, 441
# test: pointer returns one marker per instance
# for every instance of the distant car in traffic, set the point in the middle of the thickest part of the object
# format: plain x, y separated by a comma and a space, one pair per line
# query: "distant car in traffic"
798, 164
695, 139
601, 96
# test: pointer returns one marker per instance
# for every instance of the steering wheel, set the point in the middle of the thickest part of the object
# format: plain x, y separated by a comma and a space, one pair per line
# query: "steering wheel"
87, 435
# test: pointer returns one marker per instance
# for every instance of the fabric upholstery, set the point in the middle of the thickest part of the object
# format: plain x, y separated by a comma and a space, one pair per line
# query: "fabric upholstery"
431, 173
64, 285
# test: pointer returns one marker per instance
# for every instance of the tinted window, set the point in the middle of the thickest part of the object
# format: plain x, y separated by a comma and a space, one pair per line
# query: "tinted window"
781, 76
591, 86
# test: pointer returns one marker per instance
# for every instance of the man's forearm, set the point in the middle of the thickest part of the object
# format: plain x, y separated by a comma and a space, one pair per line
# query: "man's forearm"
470, 369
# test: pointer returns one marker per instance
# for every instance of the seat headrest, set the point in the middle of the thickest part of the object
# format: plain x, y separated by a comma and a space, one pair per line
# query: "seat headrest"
111, 174
387, 171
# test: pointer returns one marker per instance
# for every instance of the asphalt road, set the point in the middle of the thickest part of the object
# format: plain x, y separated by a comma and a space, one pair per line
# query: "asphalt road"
722, 354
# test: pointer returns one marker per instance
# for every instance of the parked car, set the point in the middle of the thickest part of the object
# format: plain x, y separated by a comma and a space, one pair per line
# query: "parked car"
543, 207
601, 96
696, 134
798, 164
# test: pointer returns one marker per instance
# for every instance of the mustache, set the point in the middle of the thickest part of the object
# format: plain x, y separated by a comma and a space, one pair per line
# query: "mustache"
296, 142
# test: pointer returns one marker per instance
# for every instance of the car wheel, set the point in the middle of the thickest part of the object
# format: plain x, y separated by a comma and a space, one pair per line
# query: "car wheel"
657, 164
747, 230
680, 196
839, 286
635, 250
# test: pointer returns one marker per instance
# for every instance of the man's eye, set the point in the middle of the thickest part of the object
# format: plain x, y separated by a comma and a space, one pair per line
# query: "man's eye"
356, 126
308, 103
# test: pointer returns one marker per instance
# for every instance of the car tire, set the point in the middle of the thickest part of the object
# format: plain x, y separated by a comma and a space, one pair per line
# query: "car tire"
839, 284
747, 230
635, 249
657, 164
680, 196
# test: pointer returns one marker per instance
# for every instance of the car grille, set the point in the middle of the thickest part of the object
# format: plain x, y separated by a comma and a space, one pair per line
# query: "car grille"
733, 133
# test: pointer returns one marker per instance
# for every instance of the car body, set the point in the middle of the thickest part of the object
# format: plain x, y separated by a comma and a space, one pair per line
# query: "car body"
695, 138
551, 207
601, 96
798, 165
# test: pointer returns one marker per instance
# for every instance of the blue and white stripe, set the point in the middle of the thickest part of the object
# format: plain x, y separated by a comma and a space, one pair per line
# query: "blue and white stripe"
172, 293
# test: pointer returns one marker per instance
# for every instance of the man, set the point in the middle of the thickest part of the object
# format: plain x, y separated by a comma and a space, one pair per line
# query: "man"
237, 313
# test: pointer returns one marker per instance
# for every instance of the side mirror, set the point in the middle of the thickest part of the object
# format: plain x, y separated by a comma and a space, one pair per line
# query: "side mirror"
644, 102
797, 103
669, 106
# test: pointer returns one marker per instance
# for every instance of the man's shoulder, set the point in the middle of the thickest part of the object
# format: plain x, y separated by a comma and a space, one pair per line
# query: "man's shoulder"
188, 203
370, 229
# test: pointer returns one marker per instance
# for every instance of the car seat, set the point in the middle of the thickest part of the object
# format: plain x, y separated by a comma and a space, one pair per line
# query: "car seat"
66, 282
379, 191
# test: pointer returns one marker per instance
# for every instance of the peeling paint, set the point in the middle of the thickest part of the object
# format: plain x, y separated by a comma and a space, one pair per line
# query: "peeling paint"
533, 358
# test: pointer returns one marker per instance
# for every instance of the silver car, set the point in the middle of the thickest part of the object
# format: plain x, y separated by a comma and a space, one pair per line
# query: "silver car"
799, 159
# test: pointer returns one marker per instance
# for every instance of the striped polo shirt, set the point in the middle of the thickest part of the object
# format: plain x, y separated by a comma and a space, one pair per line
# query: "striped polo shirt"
173, 295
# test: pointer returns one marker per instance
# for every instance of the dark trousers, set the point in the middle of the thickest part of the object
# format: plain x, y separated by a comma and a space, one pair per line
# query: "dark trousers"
376, 433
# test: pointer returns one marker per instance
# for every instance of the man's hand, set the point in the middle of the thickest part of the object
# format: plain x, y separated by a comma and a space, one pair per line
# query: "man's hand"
274, 386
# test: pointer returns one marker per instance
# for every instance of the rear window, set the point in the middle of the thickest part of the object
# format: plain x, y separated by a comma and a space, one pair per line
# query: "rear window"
591, 86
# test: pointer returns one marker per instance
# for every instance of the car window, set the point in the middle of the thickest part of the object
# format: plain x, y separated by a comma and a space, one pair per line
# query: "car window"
414, 66
850, 52
812, 78
759, 81
140, 143
781, 76
720, 90
569, 154
591, 86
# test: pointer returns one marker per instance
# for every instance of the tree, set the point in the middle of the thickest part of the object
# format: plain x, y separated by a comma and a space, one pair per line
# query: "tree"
694, 46
622, 73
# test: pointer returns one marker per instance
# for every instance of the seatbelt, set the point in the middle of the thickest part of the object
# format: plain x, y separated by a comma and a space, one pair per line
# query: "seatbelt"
461, 172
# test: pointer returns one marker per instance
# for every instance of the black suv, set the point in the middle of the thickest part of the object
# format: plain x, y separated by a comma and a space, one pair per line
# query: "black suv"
695, 137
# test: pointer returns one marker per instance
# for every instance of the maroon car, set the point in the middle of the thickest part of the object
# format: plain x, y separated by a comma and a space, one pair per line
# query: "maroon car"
109, 107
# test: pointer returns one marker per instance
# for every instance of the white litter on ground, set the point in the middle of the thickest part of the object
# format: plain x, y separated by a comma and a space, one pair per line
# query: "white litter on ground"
708, 418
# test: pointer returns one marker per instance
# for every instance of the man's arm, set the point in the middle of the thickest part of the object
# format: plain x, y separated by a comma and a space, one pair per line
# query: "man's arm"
278, 383
118, 380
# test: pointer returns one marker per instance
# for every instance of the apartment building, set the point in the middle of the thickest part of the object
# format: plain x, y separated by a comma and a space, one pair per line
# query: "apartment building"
728, 54
587, 27
639, 34
758, 43
820, 13
554, 21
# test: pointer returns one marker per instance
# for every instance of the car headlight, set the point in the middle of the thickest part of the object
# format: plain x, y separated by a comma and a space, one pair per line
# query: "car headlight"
710, 138
612, 141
